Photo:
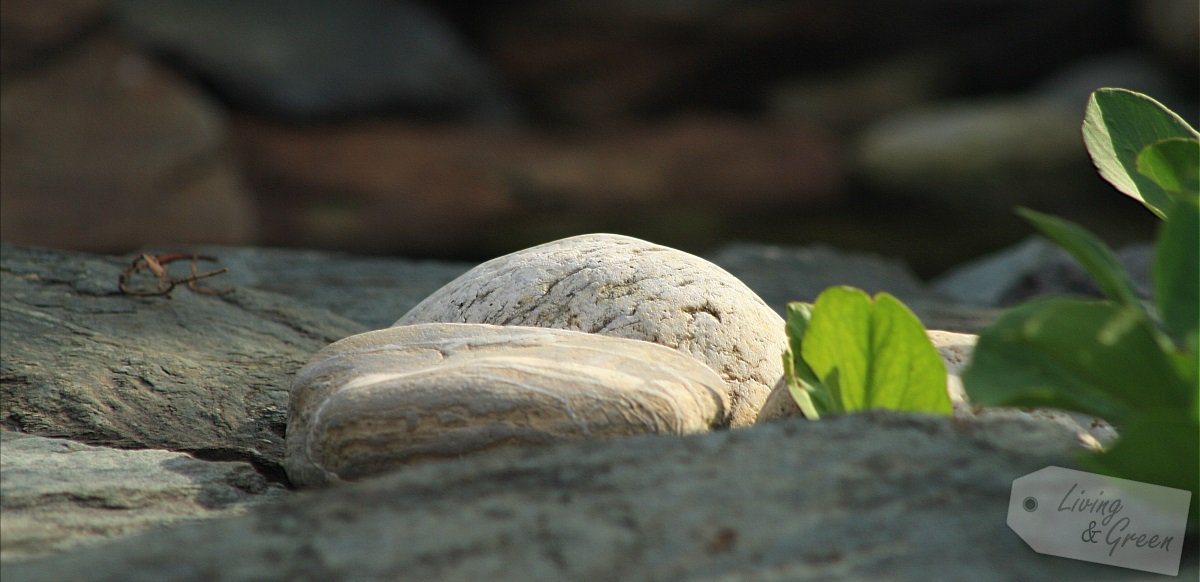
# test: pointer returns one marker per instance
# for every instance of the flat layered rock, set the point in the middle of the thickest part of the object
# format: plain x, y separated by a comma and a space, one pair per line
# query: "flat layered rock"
875, 496
624, 287
368, 290
382, 399
57, 494
203, 374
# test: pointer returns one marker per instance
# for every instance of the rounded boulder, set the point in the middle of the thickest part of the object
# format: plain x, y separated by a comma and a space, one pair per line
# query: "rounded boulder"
620, 286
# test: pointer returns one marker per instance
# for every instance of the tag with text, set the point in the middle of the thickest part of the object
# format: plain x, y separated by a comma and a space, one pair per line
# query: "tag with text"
1085, 516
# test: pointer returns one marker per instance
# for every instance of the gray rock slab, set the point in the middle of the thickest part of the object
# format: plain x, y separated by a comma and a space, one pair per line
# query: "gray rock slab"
625, 287
1036, 267
784, 274
373, 291
376, 401
870, 496
199, 373
987, 280
781, 275
56, 494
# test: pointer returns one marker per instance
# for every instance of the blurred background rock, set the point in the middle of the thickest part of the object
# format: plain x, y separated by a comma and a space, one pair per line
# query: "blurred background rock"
465, 130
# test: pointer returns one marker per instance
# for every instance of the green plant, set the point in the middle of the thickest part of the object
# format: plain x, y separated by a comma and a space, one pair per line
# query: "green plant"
848, 352
1129, 362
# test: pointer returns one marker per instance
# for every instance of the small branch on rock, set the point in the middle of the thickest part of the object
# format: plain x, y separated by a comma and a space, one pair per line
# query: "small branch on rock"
156, 264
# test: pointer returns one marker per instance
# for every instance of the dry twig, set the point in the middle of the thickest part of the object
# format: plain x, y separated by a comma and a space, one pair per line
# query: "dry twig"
156, 265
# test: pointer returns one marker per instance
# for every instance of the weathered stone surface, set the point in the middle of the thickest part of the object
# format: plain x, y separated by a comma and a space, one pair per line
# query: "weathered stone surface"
1033, 268
869, 496
369, 290
624, 287
372, 290
306, 58
784, 274
106, 151
955, 350
198, 373
376, 401
988, 279
56, 494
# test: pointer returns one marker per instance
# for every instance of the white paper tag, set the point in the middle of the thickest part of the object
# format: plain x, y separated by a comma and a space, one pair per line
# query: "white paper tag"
1085, 516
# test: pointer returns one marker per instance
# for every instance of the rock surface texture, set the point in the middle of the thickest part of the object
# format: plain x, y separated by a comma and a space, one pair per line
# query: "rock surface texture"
624, 287
56, 493
863, 497
1034, 268
196, 373
369, 290
378, 400
784, 274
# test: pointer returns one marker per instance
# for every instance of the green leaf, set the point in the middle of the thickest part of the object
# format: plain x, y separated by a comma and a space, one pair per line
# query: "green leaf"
1117, 126
873, 354
1158, 447
1188, 363
1094, 357
1176, 271
1095, 256
1174, 165
801, 382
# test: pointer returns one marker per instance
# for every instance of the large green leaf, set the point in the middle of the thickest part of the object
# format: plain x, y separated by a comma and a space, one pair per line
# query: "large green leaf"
1158, 447
1174, 165
873, 354
1117, 126
1095, 256
1094, 357
801, 382
1177, 271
